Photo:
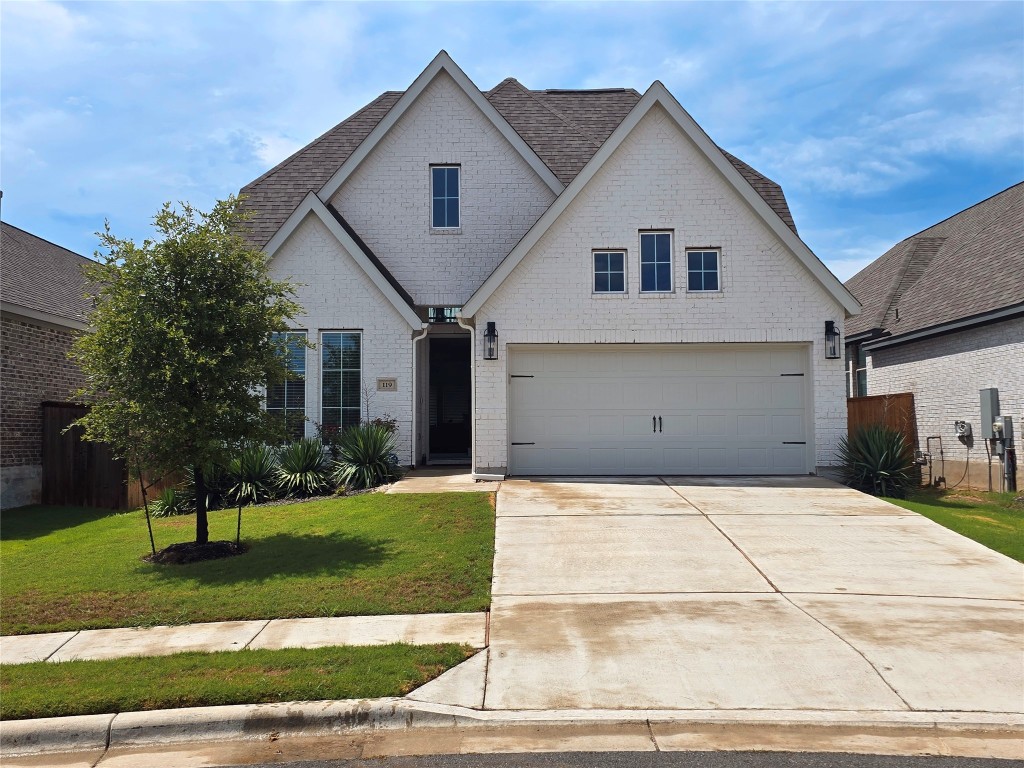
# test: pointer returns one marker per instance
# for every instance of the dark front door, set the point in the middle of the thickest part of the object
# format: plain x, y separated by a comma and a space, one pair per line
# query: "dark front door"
450, 427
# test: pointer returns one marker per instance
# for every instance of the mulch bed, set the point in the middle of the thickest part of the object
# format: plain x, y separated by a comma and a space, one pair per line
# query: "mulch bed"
190, 552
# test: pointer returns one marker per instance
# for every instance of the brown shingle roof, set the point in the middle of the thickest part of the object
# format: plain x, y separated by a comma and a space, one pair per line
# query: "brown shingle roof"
966, 265
564, 128
42, 276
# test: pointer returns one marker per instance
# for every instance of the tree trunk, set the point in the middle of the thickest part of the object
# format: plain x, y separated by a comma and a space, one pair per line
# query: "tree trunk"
202, 525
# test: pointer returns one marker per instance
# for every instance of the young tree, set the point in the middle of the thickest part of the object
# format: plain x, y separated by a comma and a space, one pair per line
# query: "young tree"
182, 342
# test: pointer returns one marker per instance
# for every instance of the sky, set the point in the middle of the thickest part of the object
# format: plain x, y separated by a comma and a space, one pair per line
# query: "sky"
879, 119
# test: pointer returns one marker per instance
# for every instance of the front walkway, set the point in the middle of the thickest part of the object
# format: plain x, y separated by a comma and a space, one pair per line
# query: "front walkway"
738, 594
417, 629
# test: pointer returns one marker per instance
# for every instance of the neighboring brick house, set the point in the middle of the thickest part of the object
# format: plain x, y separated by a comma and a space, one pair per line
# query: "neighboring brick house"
944, 318
42, 306
552, 282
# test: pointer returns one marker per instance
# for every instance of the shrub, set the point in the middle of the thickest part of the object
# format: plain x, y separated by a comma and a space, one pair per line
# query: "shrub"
386, 421
217, 482
367, 457
254, 472
169, 502
302, 468
876, 459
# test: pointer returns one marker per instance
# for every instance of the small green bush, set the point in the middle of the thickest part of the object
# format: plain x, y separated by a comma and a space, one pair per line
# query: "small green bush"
302, 468
254, 472
367, 457
878, 460
169, 502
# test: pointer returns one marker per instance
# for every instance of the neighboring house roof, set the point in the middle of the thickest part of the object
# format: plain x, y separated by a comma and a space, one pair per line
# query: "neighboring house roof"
563, 128
658, 95
970, 265
42, 280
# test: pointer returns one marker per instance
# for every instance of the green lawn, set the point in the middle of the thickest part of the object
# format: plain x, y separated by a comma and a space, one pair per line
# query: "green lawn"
43, 689
988, 518
66, 568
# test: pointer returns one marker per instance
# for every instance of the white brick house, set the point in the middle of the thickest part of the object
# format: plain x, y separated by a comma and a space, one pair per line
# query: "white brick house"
553, 282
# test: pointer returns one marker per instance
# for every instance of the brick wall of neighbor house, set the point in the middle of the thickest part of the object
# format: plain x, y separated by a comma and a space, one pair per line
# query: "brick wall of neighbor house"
387, 200
657, 179
338, 296
34, 368
945, 373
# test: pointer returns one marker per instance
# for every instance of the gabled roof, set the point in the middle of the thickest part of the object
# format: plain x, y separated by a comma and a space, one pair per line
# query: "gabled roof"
354, 246
42, 280
968, 265
658, 95
563, 128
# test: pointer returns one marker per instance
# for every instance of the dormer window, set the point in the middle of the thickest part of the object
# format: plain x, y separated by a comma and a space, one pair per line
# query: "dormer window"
444, 191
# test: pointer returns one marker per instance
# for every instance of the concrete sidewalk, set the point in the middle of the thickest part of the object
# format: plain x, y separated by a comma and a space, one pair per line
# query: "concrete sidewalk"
416, 629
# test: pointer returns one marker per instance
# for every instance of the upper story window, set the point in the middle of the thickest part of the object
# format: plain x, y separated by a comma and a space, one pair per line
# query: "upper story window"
655, 262
702, 270
444, 192
287, 398
609, 272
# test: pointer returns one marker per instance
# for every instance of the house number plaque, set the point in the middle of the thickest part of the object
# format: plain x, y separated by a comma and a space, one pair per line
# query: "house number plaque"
387, 385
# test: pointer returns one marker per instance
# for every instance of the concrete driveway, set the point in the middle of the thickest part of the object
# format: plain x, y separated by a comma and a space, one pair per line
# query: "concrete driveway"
743, 594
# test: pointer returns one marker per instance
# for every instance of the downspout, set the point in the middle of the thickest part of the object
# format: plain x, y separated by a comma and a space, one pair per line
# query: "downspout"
472, 392
416, 394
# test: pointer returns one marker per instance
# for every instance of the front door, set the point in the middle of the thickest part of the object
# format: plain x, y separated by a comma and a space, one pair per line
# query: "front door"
449, 404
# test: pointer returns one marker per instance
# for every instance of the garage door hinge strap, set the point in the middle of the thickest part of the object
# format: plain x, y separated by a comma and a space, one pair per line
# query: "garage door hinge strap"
790, 374
523, 443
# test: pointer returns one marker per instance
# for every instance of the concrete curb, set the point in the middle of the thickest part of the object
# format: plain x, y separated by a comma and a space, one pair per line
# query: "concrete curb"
258, 722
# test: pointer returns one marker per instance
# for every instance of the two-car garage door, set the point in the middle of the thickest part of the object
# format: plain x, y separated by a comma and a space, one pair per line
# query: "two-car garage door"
659, 409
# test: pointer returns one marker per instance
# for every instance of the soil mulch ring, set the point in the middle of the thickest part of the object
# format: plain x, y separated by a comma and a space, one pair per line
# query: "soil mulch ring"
190, 552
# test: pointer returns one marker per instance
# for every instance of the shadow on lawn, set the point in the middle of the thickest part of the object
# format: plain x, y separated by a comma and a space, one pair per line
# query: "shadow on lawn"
286, 554
25, 523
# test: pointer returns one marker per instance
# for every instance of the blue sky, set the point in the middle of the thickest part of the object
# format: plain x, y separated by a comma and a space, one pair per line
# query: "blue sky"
879, 119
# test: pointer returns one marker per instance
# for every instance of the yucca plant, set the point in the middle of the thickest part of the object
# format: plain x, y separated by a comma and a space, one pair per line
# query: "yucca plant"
876, 459
254, 472
169, 502
367, 457
302, 468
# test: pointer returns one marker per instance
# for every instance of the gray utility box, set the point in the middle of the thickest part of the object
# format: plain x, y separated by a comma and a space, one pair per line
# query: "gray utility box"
1007, 422
989, 412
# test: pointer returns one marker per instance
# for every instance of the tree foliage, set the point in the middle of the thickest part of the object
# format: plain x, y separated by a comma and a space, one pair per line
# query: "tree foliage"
182, 343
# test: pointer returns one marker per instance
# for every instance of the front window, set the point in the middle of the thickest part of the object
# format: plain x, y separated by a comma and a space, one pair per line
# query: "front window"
341, 366
856, 371
444, 191
655, 262
609, 272
287, 399
702, 271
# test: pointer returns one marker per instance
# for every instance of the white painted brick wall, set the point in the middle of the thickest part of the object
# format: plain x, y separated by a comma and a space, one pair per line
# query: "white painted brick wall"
387, 200
945, 373
338, 296
658, 180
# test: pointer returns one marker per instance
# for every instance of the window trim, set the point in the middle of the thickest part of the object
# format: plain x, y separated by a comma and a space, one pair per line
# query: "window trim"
718, 269
853, 369
457, 227
671, 260
625, 271
359, 333
284, 409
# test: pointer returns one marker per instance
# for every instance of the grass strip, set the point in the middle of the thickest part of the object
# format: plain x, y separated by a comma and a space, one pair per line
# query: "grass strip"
44, 689
991, 519
68, 568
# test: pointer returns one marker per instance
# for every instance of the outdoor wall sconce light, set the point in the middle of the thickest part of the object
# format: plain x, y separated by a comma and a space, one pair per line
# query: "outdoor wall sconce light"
491, 342
831, 341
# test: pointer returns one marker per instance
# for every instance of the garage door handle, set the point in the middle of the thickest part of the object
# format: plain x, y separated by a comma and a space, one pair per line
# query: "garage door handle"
659, 424
523, 443
654, 424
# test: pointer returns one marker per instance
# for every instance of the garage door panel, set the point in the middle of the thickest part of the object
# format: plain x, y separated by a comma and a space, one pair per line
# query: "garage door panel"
723, 410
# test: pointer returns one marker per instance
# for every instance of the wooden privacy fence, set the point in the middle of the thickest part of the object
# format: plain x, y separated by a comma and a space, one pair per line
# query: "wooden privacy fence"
80, 473
894, 411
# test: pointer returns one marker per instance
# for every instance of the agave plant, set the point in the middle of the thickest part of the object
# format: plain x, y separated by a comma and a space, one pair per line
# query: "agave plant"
302, 468
367, 457
169, 502
254, 472
876, 459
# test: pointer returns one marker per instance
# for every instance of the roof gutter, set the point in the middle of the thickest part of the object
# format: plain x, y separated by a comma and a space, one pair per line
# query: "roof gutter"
1005, 313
